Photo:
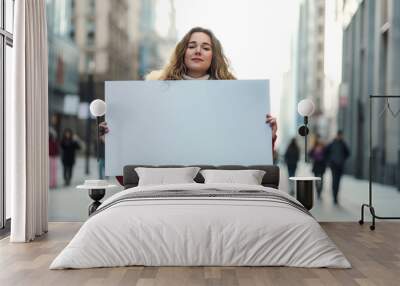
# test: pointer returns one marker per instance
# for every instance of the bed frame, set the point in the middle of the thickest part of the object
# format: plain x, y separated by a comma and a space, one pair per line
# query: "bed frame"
270, 179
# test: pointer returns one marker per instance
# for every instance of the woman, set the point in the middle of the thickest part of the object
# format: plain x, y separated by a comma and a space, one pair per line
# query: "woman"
317, 154
198, 56
69, 146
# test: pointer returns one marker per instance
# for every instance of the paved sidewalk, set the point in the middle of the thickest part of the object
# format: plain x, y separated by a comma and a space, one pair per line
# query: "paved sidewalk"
353, 193
70, 204
66, 203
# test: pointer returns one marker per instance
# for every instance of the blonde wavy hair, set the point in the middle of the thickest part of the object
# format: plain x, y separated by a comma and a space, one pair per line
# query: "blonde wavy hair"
219, 68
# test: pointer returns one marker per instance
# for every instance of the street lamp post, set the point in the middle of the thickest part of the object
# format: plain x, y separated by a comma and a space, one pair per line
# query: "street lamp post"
89, 97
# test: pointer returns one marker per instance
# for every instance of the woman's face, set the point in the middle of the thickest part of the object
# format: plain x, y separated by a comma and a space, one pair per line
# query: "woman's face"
198, 54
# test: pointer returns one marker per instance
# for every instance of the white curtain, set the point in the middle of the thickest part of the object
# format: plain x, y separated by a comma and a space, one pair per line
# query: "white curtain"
27, 123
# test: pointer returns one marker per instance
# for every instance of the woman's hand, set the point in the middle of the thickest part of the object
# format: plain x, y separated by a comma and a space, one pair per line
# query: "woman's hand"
274, 126
103, 130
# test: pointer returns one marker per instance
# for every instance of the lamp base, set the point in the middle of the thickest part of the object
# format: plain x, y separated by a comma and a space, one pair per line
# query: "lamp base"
305, 193
96, 195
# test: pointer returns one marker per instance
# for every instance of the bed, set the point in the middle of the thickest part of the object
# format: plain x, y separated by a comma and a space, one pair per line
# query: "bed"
198, 224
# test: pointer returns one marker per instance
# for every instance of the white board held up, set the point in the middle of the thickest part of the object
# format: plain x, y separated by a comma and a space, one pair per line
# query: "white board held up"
188, 122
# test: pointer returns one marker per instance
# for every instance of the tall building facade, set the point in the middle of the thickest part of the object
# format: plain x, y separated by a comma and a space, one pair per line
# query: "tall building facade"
371, 65
149, 57
167, 44
317, 68
305, 77
134, 36
101, 30
310, 56
63, 65
332, 66
287, 112
155, 50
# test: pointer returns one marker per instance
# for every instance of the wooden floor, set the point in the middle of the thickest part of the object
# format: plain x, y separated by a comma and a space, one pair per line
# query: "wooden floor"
375, 257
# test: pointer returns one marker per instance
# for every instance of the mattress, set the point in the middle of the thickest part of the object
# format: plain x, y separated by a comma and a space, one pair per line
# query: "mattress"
201, 225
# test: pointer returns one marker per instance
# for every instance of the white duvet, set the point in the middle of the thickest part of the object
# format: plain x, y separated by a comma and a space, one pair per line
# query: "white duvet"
200, 231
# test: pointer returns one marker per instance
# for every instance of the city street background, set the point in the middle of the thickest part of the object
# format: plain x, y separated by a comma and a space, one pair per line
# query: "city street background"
334, 52
71, 204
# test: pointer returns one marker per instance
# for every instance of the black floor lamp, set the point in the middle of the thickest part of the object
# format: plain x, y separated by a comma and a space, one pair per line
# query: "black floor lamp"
304, 185
96, 193
305, 108
98, 108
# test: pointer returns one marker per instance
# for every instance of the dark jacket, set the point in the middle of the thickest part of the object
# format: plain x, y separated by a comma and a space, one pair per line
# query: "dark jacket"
318, 157
292, 155
69, 148
337, 153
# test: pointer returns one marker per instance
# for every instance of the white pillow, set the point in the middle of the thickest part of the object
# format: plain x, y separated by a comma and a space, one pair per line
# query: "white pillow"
165, 176
248, 177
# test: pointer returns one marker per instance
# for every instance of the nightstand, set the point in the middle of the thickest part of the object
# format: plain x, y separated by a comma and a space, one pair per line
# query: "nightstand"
304, 190
96, 193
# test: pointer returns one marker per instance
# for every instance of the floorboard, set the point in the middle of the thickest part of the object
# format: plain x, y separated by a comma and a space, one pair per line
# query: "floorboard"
374, 255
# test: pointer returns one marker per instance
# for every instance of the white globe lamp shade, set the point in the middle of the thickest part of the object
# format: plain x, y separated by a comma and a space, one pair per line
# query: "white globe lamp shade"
97, 107
305, 107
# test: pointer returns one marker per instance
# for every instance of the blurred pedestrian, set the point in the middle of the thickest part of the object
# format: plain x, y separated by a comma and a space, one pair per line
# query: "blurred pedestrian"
54, 125
69, 146
317, 155
337, 153
292, 156
54, 152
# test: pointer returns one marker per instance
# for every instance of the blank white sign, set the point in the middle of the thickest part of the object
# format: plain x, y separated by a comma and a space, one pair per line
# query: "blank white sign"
187, 122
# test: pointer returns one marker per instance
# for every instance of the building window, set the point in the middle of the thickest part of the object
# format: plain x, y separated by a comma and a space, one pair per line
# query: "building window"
6, 45
320, 47
318, 84
321, 11
320, 65
89, 61
320, 29
91, 38
91, 7
72, 33
90, 32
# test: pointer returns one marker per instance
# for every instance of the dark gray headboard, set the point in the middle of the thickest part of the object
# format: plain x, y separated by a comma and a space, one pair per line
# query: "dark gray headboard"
271, 177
